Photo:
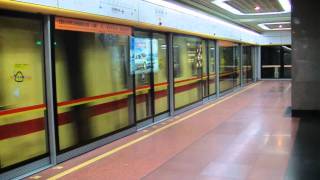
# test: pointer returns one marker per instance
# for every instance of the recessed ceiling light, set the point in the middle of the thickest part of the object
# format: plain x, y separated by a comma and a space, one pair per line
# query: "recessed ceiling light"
280, 26
285, 4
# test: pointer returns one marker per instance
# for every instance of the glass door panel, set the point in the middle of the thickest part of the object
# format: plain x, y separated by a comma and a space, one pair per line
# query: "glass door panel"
247, 64
151, 74
227, 65
143, 96
143, 75
187, 59
22, 98
237, 66
204, 73
93, 84
160, 73
212, 67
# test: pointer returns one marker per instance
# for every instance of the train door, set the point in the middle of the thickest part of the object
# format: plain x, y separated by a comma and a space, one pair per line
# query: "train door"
150, 62
94, 87
23, 134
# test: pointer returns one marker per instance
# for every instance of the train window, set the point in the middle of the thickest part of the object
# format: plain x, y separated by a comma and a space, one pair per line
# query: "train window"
22, 105
93, 81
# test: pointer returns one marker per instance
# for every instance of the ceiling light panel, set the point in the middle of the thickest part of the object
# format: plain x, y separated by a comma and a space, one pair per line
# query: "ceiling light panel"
254, 7
276, 26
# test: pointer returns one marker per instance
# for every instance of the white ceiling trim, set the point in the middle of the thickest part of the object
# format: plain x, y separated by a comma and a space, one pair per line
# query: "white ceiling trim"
192, 12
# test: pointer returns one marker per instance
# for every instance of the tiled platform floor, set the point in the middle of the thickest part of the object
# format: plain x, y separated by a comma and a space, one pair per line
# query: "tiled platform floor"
247, 136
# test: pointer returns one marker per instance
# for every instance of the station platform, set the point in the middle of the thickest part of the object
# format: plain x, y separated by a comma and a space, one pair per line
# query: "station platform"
249, 134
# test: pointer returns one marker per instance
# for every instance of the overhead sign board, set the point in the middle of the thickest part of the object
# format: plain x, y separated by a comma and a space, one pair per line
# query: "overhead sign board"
71, 24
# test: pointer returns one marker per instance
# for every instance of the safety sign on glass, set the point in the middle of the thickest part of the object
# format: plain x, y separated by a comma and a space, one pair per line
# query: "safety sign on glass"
19, 73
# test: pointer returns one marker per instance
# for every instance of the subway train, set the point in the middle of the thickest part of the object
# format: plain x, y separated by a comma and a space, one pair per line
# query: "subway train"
106, 79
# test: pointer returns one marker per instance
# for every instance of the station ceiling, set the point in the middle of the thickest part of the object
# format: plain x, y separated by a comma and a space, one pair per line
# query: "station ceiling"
258, 15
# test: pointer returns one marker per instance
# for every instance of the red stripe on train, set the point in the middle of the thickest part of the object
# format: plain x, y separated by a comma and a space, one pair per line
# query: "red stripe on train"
21, 128
35, 125
17, 110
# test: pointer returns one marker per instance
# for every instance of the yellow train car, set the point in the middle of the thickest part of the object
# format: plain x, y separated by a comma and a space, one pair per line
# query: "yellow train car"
97, 90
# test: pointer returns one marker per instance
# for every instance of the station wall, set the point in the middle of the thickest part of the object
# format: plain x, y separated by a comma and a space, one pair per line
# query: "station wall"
167, 14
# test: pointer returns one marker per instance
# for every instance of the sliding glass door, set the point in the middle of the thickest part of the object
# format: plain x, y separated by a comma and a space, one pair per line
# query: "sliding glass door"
94, 87
23, 122
160, 74
149, 53
188, 54
229, 75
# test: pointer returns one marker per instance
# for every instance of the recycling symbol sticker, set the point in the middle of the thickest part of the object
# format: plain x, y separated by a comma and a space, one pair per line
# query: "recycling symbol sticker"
18, 77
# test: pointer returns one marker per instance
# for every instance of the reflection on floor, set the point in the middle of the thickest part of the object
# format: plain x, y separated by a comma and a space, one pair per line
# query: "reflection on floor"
247, 136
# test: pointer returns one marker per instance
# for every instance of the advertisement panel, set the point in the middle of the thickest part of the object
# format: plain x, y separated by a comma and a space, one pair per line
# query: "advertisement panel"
143, 55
